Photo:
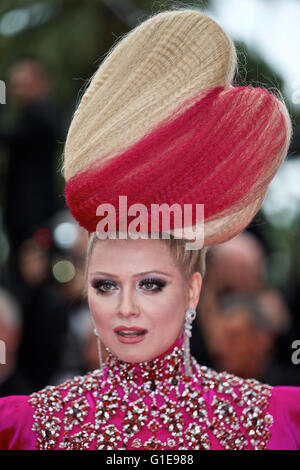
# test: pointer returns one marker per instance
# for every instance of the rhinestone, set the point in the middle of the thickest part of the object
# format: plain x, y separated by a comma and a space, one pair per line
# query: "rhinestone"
82, 412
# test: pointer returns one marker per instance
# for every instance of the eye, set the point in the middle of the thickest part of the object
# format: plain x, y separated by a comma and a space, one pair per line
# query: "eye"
153, 282
102, 285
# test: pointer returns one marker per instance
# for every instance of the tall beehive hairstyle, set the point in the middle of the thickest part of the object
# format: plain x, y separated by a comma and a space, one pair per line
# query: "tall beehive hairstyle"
161, 122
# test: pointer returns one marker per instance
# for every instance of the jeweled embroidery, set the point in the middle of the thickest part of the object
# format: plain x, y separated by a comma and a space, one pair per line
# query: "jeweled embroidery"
128, 401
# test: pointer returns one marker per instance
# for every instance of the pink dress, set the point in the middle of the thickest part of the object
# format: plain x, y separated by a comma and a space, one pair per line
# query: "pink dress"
153, 405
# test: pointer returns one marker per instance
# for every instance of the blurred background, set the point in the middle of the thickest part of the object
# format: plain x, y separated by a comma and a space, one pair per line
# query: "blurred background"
248, 314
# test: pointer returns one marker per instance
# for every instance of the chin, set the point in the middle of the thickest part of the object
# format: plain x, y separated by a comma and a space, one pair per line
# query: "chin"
134, 356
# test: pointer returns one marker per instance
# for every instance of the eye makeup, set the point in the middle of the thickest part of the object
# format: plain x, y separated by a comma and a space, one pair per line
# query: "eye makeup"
159, 283
103, 286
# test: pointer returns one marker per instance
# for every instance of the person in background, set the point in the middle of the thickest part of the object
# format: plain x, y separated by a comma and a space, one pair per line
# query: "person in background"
237, 265
44, 312
78, 326
244, 337
30, 146
12, 382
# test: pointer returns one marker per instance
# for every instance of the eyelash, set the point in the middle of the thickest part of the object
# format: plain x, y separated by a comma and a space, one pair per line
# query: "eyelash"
103, 282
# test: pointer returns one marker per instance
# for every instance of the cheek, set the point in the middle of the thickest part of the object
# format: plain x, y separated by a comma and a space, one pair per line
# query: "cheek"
172, 310
96, 308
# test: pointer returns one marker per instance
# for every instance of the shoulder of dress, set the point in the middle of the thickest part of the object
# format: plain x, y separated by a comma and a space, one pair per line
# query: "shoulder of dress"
240, 389
285, 406
58, 408
16, 416
241, 404
13, 401
55, 397
14, 407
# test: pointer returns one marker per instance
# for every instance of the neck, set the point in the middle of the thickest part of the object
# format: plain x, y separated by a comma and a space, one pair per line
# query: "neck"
178, 342
166, 366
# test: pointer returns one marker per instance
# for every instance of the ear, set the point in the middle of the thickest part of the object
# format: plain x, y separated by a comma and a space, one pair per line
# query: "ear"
194, 289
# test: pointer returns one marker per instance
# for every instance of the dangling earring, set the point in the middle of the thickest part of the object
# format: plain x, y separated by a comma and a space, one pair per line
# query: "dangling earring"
99, 349
190, 315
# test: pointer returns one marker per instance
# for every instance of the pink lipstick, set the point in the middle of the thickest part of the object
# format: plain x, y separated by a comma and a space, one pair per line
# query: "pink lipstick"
130, 335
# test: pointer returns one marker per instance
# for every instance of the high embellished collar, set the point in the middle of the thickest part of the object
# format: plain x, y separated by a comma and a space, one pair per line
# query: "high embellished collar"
153, 405
167, 366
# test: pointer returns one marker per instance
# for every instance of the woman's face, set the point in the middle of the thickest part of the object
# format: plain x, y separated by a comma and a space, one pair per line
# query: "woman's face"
135, 284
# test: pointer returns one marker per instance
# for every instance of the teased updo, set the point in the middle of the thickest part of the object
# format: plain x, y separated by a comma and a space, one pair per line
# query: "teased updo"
161, 121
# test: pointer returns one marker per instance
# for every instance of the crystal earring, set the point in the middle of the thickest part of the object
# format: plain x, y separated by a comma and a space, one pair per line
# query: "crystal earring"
190, 315
99, 349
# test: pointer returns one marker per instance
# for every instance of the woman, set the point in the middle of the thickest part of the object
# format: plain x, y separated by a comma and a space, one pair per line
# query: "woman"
162, 123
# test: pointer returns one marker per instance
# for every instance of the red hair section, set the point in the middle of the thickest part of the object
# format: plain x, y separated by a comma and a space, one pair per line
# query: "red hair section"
220, 149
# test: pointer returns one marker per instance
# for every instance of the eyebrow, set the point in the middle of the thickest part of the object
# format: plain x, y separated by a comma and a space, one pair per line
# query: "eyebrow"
135, 275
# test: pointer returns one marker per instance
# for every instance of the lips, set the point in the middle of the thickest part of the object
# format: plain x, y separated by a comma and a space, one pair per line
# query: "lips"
129, 332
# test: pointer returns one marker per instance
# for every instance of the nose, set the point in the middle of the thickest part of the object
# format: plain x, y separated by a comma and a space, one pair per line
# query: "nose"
127, 306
